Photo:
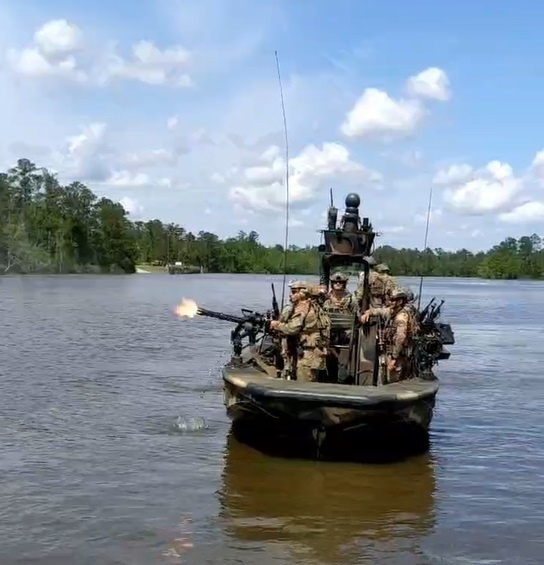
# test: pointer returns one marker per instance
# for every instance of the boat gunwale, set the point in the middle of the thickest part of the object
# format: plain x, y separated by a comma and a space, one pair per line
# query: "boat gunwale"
376, 398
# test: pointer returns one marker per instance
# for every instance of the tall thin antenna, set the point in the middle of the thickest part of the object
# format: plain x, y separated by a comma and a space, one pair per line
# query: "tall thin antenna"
286, 183
425, 241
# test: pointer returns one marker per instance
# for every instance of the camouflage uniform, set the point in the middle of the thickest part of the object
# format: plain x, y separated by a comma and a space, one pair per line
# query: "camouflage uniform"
401, 325
381, 285
288, 361
311, 327
345, 304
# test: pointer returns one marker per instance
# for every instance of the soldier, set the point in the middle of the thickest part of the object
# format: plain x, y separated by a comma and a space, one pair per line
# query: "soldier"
339, 299
358, 294
401, 325
381, 285
310, 325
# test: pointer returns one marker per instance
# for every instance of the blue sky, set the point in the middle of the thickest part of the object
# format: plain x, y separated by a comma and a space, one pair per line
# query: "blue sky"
172, 107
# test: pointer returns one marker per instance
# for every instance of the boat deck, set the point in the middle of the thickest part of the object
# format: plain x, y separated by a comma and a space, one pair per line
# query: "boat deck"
258, 384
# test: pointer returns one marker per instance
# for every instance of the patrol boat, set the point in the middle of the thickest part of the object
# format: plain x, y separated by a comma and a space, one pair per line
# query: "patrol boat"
356, 395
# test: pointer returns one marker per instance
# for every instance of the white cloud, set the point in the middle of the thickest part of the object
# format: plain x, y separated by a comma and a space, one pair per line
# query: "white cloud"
150, 65
524, 213
376, 114
53, 52
149, 158
263, 187
218, 178
453, 174
388, 230
434, 217
537, 166
58, 50
126, 179
58, 38
133, 207
85, 156
172, 123
432, 83
490, 189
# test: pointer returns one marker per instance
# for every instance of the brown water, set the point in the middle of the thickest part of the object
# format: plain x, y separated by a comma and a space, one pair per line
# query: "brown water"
116, 449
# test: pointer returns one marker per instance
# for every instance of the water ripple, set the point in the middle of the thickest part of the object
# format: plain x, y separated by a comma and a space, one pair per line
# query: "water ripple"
114, 437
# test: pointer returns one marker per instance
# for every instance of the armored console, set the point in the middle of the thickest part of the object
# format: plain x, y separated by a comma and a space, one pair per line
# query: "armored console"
348, 243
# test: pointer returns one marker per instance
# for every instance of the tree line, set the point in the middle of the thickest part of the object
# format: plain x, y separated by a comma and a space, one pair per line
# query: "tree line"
47, 227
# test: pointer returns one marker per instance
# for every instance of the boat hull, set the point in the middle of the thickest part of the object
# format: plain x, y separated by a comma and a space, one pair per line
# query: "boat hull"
265, 406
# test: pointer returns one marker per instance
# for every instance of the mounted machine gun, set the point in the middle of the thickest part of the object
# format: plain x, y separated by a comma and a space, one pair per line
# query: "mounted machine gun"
251, 326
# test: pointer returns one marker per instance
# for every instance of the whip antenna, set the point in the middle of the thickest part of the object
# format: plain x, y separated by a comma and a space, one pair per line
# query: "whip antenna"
425, 241
286, 244
286, 182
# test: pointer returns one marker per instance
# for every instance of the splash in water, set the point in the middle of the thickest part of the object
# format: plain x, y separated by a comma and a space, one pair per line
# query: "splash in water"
190, 424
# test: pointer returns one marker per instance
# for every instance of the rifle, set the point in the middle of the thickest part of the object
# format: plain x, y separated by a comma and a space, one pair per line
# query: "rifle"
379, 368
275, 305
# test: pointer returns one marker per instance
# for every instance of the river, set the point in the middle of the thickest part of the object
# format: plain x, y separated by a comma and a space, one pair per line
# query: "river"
116, 448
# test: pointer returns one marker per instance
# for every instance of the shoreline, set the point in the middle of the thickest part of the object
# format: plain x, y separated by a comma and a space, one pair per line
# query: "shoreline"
148, 270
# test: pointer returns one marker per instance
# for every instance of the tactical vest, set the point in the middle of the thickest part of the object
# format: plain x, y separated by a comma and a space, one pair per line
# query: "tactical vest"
322, 329
344, 305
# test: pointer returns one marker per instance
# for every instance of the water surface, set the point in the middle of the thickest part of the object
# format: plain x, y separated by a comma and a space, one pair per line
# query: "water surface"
116, 448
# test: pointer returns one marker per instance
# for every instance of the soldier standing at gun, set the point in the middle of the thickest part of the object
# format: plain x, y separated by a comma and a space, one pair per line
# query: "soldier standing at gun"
310, 326
400, 327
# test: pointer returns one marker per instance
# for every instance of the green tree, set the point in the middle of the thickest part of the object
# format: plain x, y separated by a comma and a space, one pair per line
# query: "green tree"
48, 227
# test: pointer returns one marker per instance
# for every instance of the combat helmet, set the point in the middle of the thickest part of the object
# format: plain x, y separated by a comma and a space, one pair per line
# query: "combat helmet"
298, 285
382, 268
339, 277
402, 293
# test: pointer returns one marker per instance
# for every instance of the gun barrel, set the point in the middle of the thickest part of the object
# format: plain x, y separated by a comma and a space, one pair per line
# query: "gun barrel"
220, 316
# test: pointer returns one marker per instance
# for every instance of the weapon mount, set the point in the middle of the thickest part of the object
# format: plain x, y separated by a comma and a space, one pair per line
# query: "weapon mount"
253, 326
347, 243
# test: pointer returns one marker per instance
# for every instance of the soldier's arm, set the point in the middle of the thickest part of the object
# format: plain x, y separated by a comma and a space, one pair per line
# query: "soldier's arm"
293, 326
401, 334
382, 312
357, 295
285, 313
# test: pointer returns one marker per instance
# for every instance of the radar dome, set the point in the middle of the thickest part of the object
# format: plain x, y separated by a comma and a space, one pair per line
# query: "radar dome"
352, 200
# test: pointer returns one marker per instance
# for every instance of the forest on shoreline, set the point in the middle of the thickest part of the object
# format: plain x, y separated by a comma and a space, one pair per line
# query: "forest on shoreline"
46, 227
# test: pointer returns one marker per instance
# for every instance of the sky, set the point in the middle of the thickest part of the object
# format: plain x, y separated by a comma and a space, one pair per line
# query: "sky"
173, 108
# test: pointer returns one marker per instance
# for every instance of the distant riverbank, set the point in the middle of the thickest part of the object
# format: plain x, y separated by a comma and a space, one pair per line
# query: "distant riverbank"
146, 268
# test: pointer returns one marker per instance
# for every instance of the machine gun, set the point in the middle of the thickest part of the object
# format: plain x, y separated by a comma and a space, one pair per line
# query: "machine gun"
431, 338
428, 323
249, 325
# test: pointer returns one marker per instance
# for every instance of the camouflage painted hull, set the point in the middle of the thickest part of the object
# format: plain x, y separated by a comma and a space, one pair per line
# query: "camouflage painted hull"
254, 398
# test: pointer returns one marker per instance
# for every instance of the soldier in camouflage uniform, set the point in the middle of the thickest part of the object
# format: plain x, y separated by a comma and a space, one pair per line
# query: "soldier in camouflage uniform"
339, 299
400, 327
380, 283
310, 326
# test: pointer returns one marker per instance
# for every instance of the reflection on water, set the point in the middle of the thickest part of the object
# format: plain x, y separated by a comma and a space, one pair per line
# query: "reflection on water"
326, 512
